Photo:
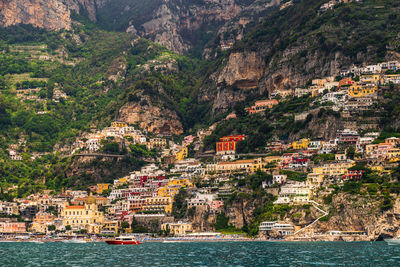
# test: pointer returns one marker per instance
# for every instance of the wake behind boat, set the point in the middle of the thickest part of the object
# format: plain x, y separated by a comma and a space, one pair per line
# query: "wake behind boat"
123, 240
393, 241
74, 241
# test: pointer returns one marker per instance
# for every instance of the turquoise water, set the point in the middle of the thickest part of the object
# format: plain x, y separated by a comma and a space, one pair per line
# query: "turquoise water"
201, 254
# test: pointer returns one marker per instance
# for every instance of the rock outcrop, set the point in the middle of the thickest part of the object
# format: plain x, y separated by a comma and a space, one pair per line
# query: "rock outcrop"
181, 25
48, 14
89, 6
154, 119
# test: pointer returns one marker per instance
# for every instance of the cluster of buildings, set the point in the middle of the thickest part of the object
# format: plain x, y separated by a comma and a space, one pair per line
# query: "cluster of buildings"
332, 3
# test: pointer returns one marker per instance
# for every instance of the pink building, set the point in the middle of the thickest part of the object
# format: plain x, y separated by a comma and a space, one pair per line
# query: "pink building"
262, 105
216, 205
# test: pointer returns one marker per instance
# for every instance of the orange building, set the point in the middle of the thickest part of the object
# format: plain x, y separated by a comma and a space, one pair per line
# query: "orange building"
44, 218
41, 222
262, 105
227, 144
12, 227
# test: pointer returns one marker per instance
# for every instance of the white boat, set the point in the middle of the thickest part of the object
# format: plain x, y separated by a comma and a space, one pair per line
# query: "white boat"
393, 241
74, 241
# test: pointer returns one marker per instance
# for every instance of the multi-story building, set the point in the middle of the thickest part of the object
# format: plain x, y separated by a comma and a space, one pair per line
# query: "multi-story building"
333, 169
227, 144
119, 124
177, 229
278, 179
182, 154
110, 227
301, 144
158, 204
294, 193
226, 167
100, 188
41, 222
262, 105
378, 150
12, 226
281, 228
362, 90
83, 217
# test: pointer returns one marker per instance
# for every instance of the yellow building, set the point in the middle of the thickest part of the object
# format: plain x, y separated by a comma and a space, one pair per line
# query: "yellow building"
83, 217
372, 78
266, 164
173, 187
156, 143
238, 165
110, 226
333, 169
160, 204
314, 180
362, 90
100, 188
119, 124
391, 78
182, 154
177, 229
319, 82
121, 181
301, 144
394, 153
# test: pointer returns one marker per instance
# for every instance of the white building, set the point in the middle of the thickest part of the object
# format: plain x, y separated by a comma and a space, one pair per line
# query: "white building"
14, 155
294, 193
282, 228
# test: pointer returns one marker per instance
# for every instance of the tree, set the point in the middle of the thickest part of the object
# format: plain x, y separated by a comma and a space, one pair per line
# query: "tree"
180, 205
240, 110
350, 152
68, 227
52, 227
221, 222
124, 225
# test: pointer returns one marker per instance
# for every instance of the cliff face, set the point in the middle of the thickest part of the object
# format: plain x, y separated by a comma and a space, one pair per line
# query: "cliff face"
354, 213
151, 118
180, 25
52, 15
88, 6
48, 14
293, 46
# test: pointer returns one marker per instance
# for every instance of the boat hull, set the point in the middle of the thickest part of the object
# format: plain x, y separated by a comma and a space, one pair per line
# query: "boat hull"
122, 242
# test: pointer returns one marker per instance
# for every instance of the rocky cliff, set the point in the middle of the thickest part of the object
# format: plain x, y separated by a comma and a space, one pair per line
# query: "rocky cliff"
182, 25
52, 15
158, 120
294, 45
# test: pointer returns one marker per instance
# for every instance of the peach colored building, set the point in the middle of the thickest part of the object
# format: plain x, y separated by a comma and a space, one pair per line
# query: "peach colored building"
12, 227
262, 105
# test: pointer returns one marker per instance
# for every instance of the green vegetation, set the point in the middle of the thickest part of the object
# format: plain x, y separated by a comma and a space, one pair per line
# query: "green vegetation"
179, 207
348, 28
296, 176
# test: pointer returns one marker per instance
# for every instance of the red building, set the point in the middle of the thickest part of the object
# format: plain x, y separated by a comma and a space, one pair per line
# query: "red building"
227, 144
345, 82
353, 175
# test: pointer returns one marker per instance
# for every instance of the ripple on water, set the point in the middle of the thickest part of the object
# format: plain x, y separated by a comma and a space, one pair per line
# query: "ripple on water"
201, 254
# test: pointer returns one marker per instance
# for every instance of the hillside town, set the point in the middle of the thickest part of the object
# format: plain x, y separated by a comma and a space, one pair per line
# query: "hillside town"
295, 171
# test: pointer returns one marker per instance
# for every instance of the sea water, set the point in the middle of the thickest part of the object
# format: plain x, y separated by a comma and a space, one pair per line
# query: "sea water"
202, 254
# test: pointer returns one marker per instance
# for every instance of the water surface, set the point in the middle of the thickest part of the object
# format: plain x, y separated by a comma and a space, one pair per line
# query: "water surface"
202, 254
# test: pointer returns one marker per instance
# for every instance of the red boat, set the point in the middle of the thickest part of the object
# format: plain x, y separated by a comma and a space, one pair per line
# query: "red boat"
123, 240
